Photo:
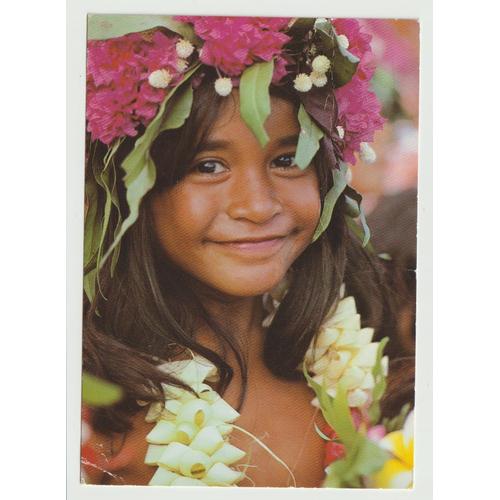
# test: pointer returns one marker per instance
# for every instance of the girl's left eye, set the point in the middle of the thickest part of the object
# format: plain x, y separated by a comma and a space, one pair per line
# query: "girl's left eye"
285, 161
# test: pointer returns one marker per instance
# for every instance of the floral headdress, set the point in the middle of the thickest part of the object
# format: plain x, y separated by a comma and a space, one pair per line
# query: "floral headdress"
141, 72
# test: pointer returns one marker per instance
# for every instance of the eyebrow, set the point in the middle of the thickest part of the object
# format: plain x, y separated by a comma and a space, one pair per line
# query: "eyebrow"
215, 144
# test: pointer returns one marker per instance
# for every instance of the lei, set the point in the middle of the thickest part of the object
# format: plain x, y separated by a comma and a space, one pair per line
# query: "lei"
190, 443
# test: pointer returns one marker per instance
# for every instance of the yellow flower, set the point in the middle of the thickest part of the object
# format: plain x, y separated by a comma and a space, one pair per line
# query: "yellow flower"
343, 352
397, 472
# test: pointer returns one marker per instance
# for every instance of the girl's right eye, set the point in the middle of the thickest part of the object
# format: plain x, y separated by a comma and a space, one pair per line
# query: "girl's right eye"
209, 167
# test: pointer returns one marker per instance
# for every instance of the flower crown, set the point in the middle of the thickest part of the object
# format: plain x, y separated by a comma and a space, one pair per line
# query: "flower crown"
141, 72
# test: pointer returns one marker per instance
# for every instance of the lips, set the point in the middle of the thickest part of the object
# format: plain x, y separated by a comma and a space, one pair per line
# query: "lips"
261, 245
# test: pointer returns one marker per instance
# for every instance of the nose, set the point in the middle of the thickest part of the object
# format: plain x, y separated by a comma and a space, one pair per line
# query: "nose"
253, 197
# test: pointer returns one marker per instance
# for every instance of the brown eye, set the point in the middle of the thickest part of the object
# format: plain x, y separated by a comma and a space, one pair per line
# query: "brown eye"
285, 161
209, 167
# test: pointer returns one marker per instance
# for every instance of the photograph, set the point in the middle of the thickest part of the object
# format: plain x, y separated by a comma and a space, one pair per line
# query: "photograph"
249, 300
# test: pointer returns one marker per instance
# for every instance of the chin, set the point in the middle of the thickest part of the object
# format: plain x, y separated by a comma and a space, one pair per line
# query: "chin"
248, 284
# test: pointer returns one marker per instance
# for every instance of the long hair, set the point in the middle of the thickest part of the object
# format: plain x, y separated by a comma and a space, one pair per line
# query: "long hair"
152, 308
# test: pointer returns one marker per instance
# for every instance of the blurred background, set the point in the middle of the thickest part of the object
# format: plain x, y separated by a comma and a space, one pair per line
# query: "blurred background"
389, 186
396, 82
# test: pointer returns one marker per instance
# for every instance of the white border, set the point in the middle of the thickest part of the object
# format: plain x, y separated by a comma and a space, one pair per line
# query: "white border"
76, 39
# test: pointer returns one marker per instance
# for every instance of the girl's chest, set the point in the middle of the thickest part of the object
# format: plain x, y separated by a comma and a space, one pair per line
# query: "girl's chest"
281, 420
279, 414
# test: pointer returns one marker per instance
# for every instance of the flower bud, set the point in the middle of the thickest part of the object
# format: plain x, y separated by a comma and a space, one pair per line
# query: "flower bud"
160, 78
321, 64
302, 82
184, 48
318, 79
223, 86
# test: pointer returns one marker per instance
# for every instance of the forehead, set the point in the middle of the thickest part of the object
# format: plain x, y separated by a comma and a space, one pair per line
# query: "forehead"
280, 123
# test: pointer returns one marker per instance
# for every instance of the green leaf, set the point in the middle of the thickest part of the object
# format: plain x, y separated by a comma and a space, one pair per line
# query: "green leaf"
359, 233
380, 383
98, 392
352, 207
364, 225
355, 209
321, 434
339, 184
93, 223
255, 102
396, 423
335, 411
362, 456
342, 420
365, 460
309, 137
89, 282
345, 64
178, 110
140, 170
300, 27
325, 401
104, 26
385, 256
116, 203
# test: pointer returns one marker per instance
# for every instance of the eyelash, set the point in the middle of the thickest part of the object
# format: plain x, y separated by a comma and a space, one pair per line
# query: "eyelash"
199, 165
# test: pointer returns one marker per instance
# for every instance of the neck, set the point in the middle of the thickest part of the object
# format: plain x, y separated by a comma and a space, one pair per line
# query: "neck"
242, 317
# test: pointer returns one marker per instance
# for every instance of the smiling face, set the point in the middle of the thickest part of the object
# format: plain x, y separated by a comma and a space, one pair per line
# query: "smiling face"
242, 214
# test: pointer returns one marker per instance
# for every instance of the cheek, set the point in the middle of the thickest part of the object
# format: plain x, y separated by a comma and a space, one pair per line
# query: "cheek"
181, 219
303, 200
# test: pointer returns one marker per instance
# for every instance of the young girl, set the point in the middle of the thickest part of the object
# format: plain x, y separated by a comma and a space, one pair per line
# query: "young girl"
229, 270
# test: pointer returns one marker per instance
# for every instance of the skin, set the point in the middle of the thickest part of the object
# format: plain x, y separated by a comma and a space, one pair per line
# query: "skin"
243, 213
238, 191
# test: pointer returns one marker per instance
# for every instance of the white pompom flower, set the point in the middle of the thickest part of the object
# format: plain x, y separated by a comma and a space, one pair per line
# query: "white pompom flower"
223, 86
189, 442
318, 79
366, 153
343, 41
321, 64
184, 48
341, 131
302, 82
343, 352
160, 79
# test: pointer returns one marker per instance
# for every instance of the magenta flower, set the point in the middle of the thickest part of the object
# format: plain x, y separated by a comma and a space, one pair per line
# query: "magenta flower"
234, 43
119, 97
359, 115
359, 45
359, 107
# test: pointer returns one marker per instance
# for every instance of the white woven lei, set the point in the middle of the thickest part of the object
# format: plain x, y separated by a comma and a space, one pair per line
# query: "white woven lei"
190, 441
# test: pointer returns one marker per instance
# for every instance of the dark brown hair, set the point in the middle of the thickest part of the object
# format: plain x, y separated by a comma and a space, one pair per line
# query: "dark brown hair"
152, 307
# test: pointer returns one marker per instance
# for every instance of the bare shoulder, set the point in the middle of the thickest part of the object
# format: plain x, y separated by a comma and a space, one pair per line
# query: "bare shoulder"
118, 459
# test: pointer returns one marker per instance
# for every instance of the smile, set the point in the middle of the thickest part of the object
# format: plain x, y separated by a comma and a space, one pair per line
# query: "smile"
254, 247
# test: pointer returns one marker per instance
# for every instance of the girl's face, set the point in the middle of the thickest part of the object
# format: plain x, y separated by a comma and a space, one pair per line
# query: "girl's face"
242, 214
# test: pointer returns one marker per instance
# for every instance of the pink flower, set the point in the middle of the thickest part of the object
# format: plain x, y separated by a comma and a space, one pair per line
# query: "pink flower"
359, 45
359, 107
234, 43
359, 115
376, 433
119, 97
